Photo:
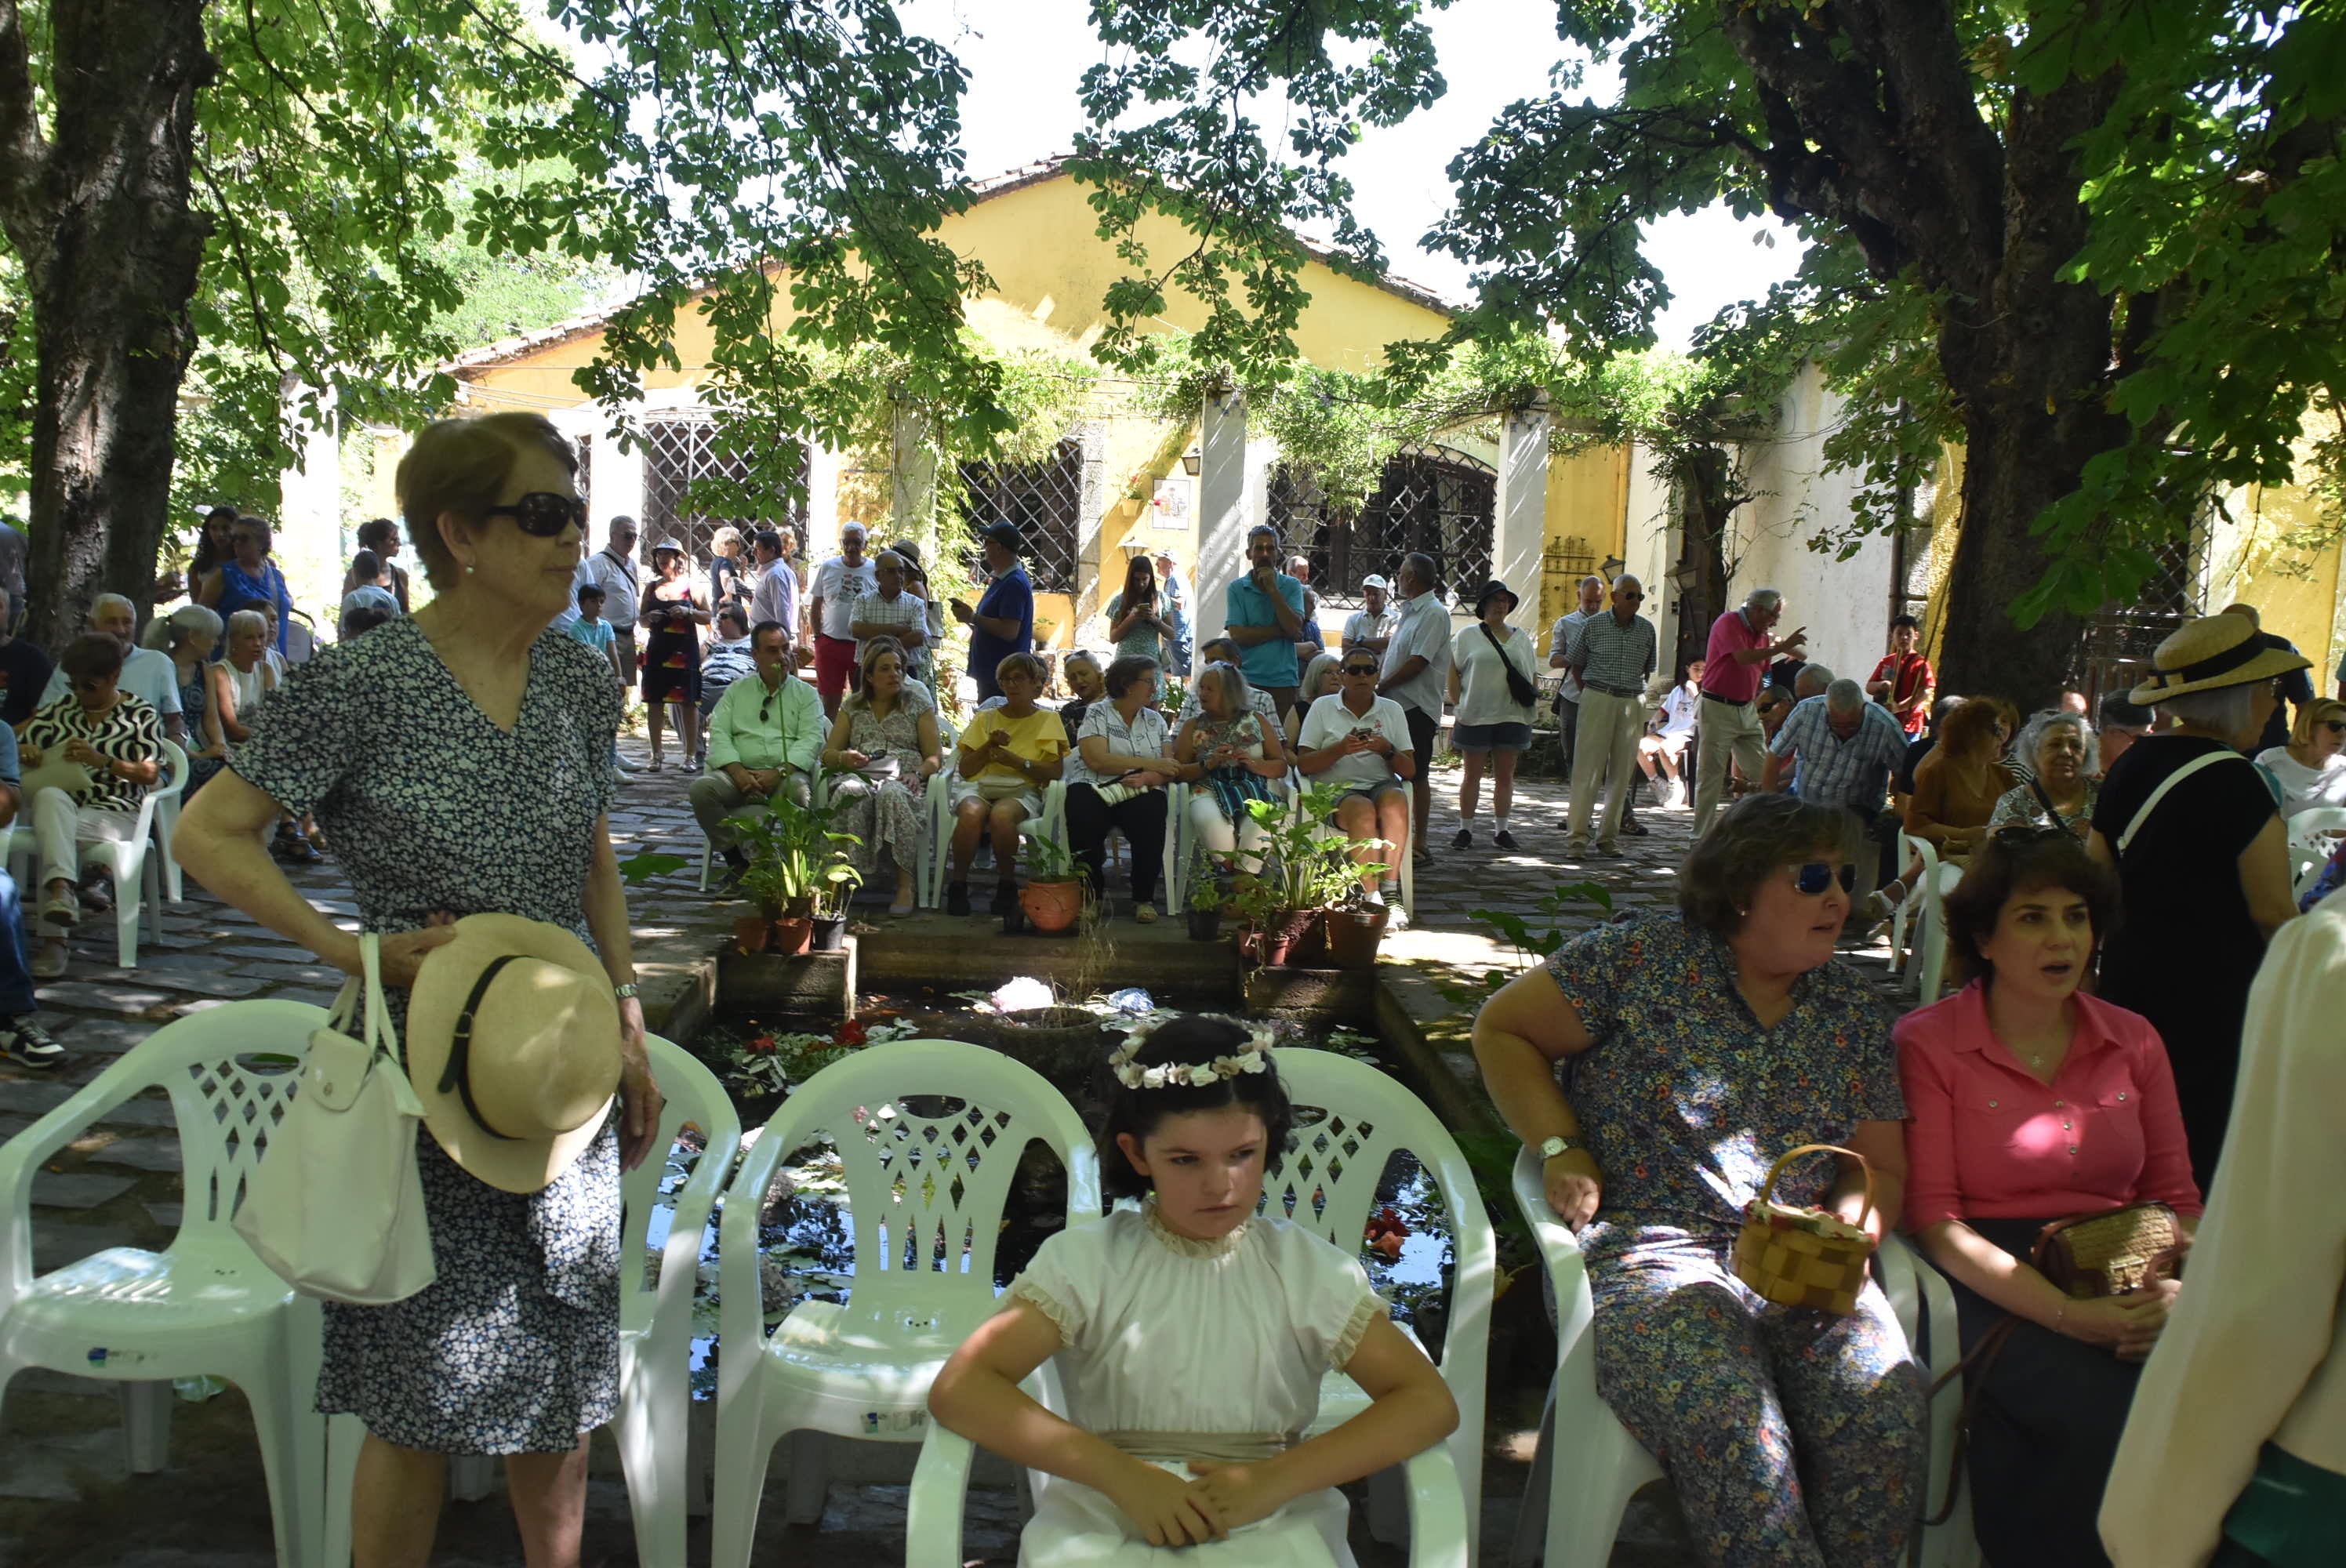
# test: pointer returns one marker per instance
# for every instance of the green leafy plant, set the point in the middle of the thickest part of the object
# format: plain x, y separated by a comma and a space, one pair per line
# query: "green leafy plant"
637, 869
1045, 861
797, 861
1205, 891
1303, 871
1532, 946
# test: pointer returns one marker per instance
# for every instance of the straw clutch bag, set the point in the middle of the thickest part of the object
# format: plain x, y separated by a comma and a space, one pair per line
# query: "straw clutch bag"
1803, 1257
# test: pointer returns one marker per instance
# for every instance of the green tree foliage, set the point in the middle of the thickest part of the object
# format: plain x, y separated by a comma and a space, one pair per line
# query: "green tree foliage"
2097, 241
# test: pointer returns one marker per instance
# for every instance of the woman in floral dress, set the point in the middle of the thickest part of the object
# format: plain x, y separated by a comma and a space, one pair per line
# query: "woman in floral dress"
1697, 1045
461, 758
887, 732
1230, 754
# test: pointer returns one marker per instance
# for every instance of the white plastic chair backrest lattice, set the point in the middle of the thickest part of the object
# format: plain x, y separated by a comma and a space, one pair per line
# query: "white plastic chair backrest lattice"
176, 770
2314, 822
230, 1073
929, 1134
1352, 1119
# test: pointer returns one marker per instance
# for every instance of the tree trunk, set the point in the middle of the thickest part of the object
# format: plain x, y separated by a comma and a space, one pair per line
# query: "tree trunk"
101, 215
2031, 365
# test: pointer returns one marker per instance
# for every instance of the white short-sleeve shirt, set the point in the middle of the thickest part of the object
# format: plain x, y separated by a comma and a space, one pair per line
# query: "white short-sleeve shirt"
1330, 721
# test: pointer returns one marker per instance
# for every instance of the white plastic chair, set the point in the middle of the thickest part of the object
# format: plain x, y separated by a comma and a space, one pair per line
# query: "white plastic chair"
176, 765
1408, 867
137, 881
655, 1326
1352, 1119
1941, 880
1588, 1466
205, 1304
2309, 847
925, 1190
1914, 911
1052, 824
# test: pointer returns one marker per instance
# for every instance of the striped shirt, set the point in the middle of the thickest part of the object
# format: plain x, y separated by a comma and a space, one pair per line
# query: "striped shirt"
130, 732
1612, 654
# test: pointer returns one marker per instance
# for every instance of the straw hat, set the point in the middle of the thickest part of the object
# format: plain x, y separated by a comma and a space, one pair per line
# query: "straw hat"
2212, 652
512, 1045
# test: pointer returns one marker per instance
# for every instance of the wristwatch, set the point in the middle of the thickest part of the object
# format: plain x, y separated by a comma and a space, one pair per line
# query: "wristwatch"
622, 993
1551, 1147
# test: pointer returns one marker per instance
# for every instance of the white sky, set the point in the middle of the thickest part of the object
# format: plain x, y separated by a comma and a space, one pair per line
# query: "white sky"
1026, 58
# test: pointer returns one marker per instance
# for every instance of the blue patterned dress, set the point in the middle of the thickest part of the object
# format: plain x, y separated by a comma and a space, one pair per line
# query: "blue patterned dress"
431, 807
1794, 1437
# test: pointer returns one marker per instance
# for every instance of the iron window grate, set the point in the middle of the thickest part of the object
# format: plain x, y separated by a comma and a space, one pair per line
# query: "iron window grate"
1433, 499
679, 452
1043, 501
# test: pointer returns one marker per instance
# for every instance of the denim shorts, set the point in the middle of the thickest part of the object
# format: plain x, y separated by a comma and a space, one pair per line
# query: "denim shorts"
1491, 737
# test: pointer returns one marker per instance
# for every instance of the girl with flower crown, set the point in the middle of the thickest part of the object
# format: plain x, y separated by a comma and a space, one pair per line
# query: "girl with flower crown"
1191, 1335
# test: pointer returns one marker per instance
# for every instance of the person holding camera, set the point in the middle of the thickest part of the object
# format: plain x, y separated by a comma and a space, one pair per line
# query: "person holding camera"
1360, 742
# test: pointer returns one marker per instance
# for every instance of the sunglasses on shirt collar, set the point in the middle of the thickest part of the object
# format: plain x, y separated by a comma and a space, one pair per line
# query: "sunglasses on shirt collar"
1812, 879
543, 513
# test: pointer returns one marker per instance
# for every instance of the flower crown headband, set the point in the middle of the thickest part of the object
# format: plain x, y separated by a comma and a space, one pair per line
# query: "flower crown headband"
1255, 1058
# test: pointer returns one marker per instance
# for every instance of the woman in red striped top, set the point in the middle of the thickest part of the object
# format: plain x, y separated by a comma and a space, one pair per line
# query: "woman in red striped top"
2028, 1100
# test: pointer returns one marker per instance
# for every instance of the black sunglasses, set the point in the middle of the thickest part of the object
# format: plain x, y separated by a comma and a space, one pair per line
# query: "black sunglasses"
543, 513
1814, 878
1360, 670
2337, 725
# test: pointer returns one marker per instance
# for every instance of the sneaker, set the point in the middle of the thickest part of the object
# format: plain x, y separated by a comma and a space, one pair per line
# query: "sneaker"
1634, 828
50, 961
1376, 897
97, 892
62, 910
1505, 840
1465, 840
1006, 899
957, 897
23, 1042
618, 777
1575, 849
621, 765
1610, 851
1144, 914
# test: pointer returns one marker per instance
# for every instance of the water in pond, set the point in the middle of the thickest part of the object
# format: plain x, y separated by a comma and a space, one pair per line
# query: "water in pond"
806, 1230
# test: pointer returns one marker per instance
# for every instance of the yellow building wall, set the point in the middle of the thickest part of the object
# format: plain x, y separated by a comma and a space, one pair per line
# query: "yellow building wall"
1587, 518
2296, 593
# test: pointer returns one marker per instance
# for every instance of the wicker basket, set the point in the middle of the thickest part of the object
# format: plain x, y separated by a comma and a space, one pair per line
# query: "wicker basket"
1803, 1257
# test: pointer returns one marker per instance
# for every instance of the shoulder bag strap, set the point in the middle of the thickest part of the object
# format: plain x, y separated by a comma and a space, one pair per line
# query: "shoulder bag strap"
2170, 782
1518, 686
2051, 811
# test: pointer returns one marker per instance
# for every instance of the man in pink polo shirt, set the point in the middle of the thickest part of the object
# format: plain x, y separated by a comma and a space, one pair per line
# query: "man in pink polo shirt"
1734, 664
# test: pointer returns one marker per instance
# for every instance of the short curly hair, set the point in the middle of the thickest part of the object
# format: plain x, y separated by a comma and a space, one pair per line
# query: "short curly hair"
1026, 663
1199, 1037
2021, 858
1751, 840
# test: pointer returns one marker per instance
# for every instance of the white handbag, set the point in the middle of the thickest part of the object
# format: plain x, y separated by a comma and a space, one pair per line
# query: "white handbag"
337, 1207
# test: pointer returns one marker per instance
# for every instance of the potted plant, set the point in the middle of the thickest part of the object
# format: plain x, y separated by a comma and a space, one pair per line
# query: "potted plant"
794, 859
1054, 894
834, 890
1204, 899
1304, 876
1354, 927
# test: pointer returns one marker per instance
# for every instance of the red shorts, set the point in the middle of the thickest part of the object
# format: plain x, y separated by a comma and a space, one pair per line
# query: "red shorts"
835, 669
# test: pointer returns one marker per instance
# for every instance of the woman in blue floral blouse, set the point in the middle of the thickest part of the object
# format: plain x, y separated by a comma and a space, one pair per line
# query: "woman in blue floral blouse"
1698, 1045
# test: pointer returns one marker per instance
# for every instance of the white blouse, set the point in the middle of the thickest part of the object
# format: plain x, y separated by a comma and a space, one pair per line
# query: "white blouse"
2303, 788
1483, 694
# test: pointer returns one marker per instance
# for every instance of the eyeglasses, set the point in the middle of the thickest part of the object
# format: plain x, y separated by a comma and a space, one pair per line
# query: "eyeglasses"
1811, 880
2335, 726
1372, 669
542, 513
1629, 596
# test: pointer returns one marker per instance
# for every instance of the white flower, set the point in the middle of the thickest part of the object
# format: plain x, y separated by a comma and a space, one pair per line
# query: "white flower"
1203, 1074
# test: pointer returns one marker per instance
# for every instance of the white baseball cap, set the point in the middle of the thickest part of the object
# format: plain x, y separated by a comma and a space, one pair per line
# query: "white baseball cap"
1374, 581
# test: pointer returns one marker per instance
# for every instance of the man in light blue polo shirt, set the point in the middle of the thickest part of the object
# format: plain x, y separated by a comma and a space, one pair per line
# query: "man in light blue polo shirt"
1263, 614
1417, 674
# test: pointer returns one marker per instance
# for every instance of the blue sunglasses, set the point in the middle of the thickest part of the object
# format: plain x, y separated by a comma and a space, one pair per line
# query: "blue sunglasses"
1814, 878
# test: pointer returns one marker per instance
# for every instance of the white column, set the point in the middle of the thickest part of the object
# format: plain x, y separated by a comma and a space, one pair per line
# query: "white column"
822, 502
1222, 518
1519, 535
617, 489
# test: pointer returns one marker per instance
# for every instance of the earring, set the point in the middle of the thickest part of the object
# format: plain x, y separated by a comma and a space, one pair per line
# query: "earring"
470, 569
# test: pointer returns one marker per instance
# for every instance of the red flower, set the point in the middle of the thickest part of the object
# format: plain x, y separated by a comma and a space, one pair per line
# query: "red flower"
851, 1033
1386, 1232
761, 1045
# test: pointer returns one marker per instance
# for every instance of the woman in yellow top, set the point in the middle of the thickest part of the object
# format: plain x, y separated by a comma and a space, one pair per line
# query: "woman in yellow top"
1006, 755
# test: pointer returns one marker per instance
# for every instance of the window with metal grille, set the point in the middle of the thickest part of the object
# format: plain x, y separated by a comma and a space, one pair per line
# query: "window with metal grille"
680, 451
1043, 501
1433, 499
2118, 643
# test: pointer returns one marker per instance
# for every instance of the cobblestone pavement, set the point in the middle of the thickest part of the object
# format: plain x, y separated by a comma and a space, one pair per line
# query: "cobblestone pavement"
64, 1498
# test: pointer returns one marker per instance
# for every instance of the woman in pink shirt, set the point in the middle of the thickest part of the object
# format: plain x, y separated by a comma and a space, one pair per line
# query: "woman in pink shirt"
2028, 1100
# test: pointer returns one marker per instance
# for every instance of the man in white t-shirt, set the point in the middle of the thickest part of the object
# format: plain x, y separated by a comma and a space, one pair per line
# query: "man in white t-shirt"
148, 674
1370, 627
613, 569
838, 582
1359, 743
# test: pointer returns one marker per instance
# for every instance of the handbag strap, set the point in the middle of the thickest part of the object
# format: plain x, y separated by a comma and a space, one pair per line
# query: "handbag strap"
2170, 782
2051, 811
361, 994
1516, 681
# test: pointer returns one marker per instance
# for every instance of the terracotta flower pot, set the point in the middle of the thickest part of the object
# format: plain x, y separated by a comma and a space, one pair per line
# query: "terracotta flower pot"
1353, 935
751, 933
1291, 937
792, 935
1052, 906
